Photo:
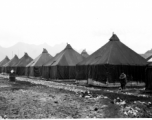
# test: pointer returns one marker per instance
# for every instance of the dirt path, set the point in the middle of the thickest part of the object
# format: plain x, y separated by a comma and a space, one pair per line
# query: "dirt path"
29, 98
26, 100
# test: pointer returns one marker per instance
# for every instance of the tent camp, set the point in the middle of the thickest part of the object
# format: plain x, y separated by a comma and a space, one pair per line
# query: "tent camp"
34, 68
3, 62
21, 65
84, 54
11, 64
109, 61
62, 66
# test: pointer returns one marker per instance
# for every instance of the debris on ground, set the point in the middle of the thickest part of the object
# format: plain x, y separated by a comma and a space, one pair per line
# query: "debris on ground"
48, 99
89, 95
56, 102
86, 94
138, 109
131, 112
110, 91
118, 101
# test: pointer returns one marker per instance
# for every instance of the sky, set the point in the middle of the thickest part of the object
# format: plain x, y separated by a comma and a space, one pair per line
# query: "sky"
85, 24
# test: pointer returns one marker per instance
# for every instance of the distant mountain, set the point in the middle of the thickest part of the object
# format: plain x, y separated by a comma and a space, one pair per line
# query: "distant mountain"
32, 50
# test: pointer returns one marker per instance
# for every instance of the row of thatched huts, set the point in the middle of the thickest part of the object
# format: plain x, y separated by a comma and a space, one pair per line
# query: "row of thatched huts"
107, 63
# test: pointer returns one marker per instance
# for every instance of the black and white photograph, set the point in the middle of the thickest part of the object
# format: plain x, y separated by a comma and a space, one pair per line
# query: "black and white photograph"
75, 59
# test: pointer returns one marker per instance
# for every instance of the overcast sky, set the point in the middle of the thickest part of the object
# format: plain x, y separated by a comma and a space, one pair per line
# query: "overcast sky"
82, 23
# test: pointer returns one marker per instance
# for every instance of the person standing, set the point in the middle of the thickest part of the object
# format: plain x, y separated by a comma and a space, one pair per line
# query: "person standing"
12, 75
123, 81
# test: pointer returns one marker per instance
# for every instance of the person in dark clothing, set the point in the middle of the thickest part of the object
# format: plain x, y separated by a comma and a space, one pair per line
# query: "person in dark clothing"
123, 80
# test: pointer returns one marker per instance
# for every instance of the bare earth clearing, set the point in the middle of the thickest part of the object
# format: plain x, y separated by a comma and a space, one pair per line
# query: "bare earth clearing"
31, 98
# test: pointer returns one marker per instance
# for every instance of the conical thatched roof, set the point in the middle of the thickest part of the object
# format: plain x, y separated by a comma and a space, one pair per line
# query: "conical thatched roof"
67, 57
84, 53
114, 52
12, 62
25, 60
41, 59
4, 61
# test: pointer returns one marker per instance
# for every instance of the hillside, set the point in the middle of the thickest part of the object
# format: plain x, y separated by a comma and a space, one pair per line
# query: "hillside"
32, 50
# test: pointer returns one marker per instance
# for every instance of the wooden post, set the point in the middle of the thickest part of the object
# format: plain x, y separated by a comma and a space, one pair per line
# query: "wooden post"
88, 81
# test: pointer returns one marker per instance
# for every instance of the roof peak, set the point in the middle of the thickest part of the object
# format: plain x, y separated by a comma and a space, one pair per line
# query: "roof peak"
84, 51
114, 37
25, 53
6, 57
44, 50
68, 46
15, 56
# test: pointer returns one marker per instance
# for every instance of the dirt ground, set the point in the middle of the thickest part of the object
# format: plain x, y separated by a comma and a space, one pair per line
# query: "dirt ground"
24, 99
